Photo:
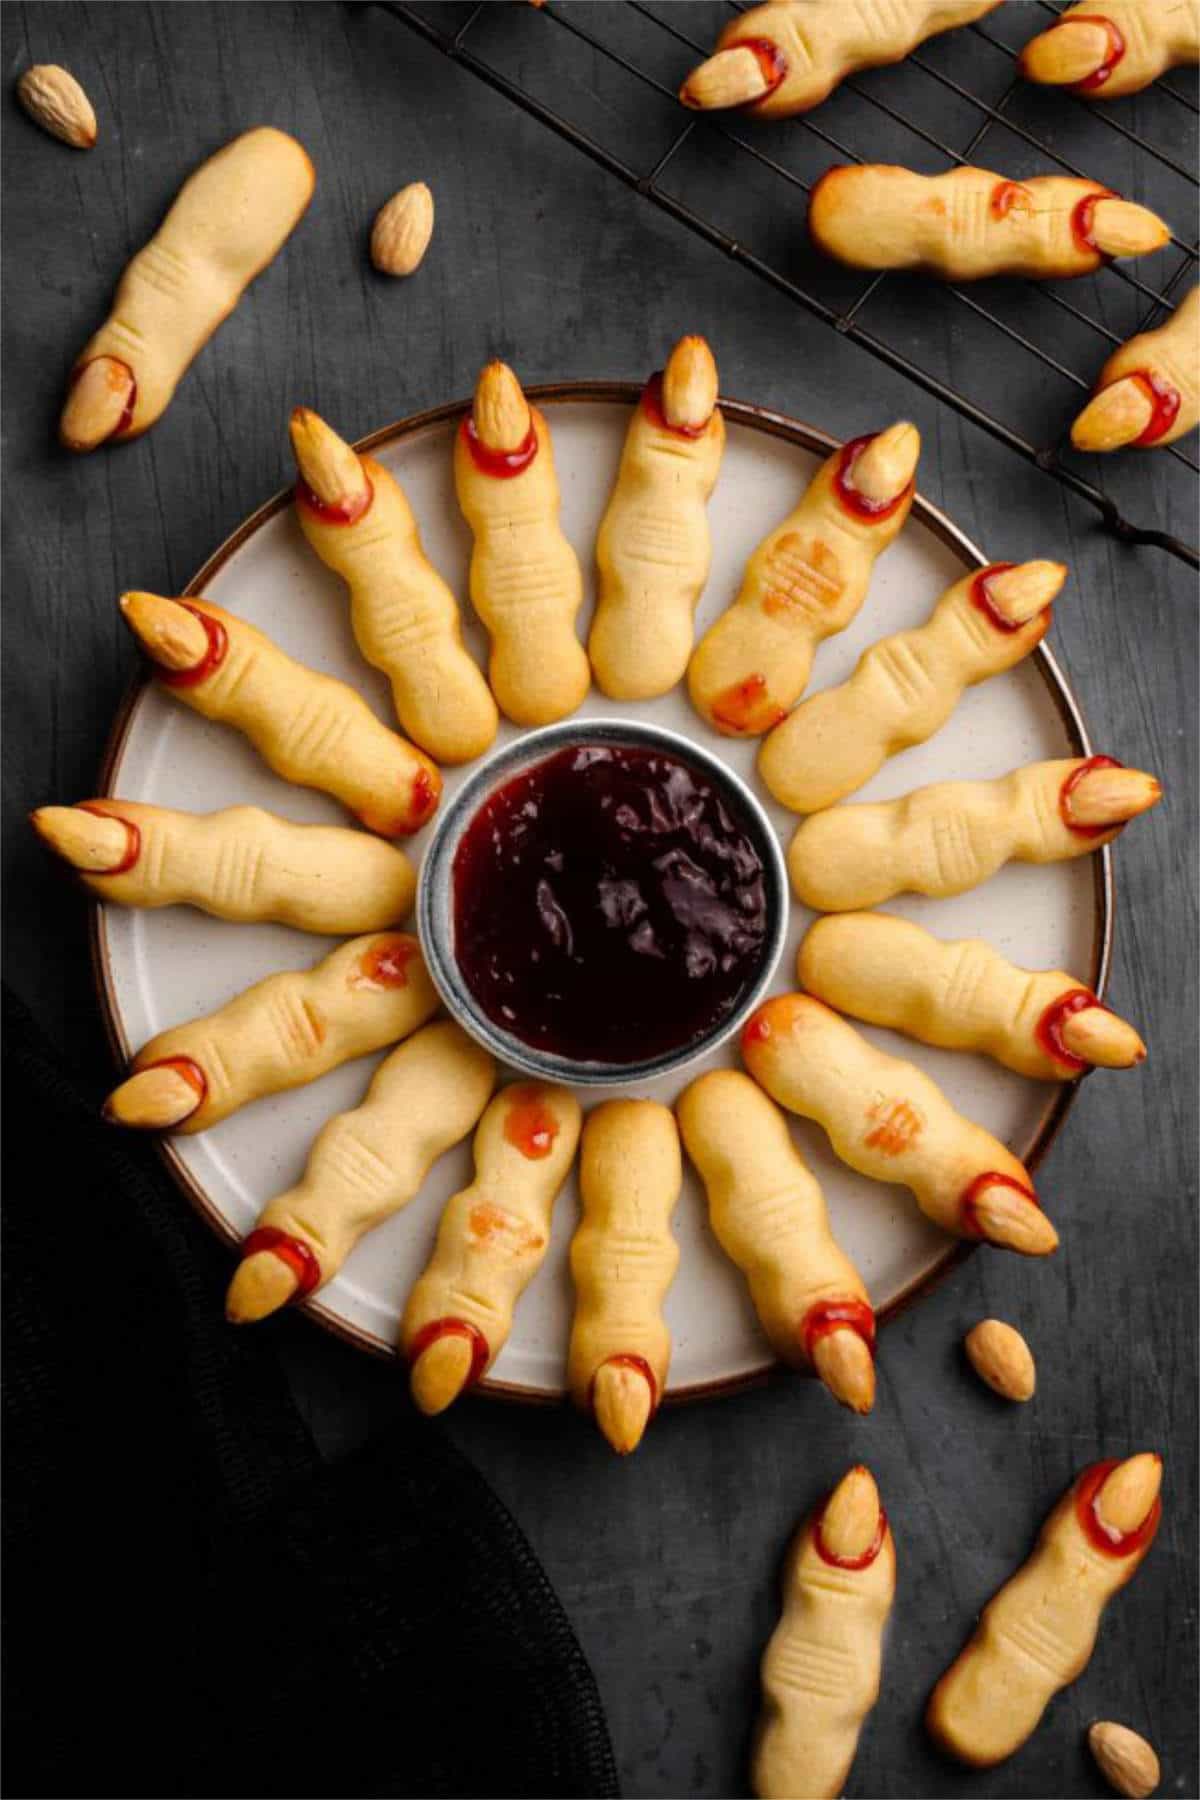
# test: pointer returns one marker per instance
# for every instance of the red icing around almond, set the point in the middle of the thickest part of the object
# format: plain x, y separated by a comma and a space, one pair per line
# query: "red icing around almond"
1116, 50
743, 708
1101, 1536
989, 1178
1069, 786
133, 839
386, 964
503, 464
770, 59
848, 1562
629, 1362
1165, 401
1009, 196
1048, 1030
860, 505
440, 1328
1081, 222
981, 598
346, 512
652, 406
214, 656
290, 1250
122, 424
190, 1071
529, 1124
837, 1315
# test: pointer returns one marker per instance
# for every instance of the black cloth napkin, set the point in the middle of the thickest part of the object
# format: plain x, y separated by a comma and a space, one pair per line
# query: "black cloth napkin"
195, 1604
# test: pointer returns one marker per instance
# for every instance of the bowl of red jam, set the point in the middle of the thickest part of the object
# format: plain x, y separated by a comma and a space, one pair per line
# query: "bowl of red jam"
602, 902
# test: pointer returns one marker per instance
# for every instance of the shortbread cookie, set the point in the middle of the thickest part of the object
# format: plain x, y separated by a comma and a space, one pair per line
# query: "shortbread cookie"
1148, 392
1105, 49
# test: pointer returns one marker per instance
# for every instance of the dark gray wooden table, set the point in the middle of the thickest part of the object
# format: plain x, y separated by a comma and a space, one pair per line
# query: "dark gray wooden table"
666, 1563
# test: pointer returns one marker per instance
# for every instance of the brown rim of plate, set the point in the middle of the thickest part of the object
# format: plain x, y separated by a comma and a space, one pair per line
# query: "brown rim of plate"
755, 418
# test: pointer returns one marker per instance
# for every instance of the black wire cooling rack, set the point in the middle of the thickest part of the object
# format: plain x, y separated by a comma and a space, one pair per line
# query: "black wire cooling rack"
627, 42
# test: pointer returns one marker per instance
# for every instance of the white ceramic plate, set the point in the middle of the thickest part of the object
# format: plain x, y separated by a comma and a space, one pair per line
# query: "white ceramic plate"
158, 968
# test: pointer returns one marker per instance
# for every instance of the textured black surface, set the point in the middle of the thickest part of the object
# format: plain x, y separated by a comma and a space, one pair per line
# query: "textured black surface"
666, 1563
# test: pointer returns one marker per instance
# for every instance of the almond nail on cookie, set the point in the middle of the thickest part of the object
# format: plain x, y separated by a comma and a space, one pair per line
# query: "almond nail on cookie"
241, 864
226, 223
768, 1215
821, 1670
1105, 49
363, 1167
653, 549
491, 1241
963, 996
786, 57
907, 685
1036, 1635
888, 1120
357, 519
623, 1260
1148, 392
950, 837
970, 223
804, 582
279, 1034
309, 728
526, 583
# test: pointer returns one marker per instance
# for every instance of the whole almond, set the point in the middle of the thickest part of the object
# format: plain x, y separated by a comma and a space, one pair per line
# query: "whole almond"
402, 230
55, 101
1125, 1760
1001, 1357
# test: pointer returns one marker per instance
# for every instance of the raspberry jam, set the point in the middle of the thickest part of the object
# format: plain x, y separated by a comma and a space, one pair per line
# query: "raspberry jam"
1164, 401
214, 655
1104, 1537
608, 906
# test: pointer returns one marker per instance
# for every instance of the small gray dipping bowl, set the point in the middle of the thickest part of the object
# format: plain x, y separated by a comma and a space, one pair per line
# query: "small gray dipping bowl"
435, 895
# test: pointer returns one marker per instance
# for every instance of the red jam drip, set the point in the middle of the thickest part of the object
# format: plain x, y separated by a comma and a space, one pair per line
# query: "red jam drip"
191, 1072
440, 1328
133, 839
529, 1124
770, 58
1116, 50
608, 905
1081, 222
341, 512
628, 1362
652, 406
969, 1202
214, 656
836, 1315
1068, 788
981, 598
756, 1030
1165, 401
503, 464
1008, 196
298, 1257
123, 423
386, 964
848, 1562
860, 505
744, 708
1048, 1030
1101, 1536
426, 791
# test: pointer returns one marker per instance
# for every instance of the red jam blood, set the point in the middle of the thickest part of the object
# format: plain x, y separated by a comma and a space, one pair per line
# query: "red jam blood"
298, 1257
426, 790
440, 1328
386, 965
214, 656
860, 505
529, 1124
1068, 788
629, 1362
1081, 222
344, 512
502, 463
1009, 196
122, 424
191, 1072
744, 707
756, 1030
1049, 1027
981, 597
1165, 401
607, 905
849, 1562
652, 406
1116, 50
837, 1315
133, 839
990, 1178
770, 59
1104, 1537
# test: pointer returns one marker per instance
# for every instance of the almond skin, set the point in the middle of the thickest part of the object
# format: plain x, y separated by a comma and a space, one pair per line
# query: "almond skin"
1001, 1357
1125, 1760
55, 101
402, 230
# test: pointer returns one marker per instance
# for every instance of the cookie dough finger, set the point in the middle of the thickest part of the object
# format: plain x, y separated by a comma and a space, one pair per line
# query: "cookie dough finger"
653, 550
491, 1241
944, 839
1148, 392
1038, 1633
623, 1260
242, 864
526, 583
821, 1670
356, 516
363, 1167
906, 686
1105, 49
963, 996
279, 1034
970, 223
888, 1120
309, 728
226, 223
768, 1215
804, 582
